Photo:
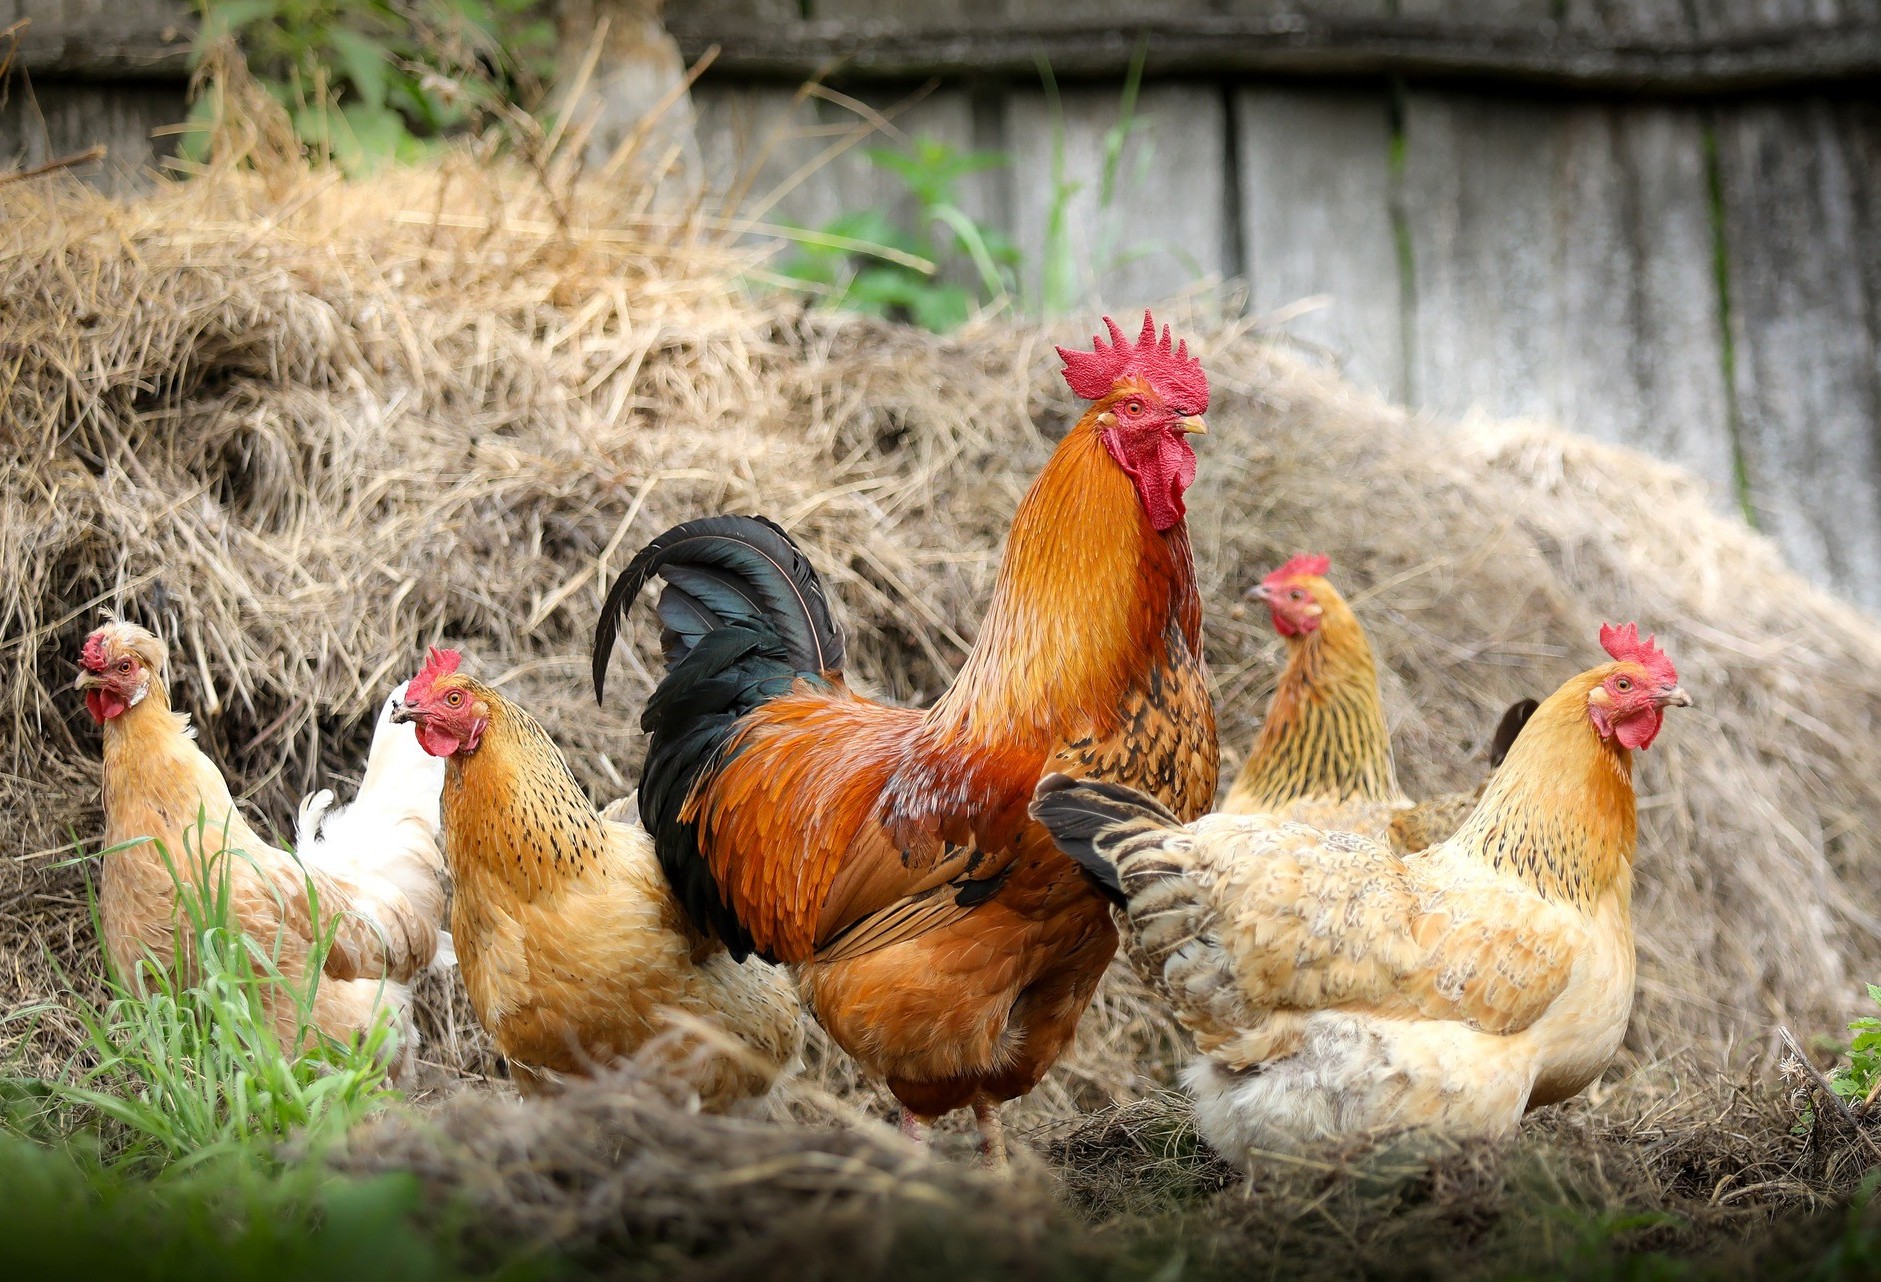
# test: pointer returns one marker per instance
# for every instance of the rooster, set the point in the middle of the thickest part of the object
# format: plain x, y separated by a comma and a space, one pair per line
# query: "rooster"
573, 950
886, 852
373, 867
1324, 755
1336, 988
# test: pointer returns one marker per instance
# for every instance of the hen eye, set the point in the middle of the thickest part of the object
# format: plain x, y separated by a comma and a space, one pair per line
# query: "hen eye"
1623, 684
455, 698
124, 665
1296, 595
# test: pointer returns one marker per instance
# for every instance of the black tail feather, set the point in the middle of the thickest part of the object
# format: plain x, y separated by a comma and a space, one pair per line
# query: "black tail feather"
721, 570
1509, 728
1078, 811
743, 618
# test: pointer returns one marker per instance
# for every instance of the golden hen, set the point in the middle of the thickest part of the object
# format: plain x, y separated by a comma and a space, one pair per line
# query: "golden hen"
573, 949
1336, 988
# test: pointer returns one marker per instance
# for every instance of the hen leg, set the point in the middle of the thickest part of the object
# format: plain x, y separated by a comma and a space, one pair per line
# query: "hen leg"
913, 1127
992, 1136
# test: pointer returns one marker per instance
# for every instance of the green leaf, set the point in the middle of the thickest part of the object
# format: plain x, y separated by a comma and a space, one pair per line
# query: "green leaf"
365, 62
374, 132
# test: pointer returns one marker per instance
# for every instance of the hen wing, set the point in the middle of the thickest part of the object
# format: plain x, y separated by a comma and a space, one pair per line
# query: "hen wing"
1249, 922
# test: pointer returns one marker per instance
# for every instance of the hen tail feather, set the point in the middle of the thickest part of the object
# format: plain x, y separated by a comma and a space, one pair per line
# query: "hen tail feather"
1509, 728
1099, 826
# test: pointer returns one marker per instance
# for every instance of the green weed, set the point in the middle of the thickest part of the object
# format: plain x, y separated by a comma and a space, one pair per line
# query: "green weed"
845, 264
182, 1060
366, 81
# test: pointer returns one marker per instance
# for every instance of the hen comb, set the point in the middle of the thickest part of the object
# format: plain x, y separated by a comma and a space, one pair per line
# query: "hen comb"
1168, 367
439, 663
1303, 563
1623, 644
93, 655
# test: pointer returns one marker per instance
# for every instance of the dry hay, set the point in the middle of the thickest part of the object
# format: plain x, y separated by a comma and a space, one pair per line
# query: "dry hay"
619, 1179
306, 427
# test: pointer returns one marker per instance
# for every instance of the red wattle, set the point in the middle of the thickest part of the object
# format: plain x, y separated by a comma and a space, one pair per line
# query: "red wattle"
1639, 730
104, 704
1163, 467
1636, 731
437, 742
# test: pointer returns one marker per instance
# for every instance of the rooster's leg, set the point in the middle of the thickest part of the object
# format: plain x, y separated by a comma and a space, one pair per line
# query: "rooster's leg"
913, 1127
992, 1136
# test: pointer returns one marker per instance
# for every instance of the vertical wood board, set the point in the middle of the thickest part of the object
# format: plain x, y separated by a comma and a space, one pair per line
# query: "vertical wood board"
1803, 238
1562, 268
1165, 226
1315, 196
51, 118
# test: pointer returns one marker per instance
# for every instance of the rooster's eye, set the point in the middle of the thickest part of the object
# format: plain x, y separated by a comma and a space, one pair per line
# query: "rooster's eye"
1133, 409
455, 698
1623, 684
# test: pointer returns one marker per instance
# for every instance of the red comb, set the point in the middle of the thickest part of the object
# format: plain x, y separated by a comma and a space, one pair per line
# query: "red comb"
1304, 563
93, 655
1623, 643
1176, 375
439, 663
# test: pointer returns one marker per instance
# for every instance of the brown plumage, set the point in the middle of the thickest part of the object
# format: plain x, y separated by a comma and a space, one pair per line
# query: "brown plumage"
1323, 755
380, 890
574, 952
1334, 986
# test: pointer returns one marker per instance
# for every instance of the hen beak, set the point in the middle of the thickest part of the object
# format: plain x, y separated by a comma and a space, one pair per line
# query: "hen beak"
1674, 698
401, 713
1259, 592
1193, 423
88, 680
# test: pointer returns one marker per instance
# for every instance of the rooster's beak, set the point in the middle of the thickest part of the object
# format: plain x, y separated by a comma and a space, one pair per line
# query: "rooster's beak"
1193, 423
1674, 698
1259, 592
401, 713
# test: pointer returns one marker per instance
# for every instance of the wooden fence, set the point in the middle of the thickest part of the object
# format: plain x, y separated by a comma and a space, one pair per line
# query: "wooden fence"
1657, 223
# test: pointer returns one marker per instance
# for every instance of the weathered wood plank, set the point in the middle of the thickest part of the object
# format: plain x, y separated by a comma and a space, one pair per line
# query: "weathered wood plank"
1562, 268
1164, 225
1803, 237
1315, 180
762, 143
1660, 56
55, 118
103, 37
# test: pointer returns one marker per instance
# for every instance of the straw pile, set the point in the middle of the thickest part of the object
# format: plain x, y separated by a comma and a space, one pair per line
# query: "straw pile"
306, 427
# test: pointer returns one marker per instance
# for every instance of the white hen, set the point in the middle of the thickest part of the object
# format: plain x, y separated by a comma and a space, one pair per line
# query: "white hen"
386, 840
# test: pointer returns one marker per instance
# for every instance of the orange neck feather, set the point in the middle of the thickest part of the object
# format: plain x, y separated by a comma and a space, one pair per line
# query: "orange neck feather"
1090, 596
1560, 812
513, 814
